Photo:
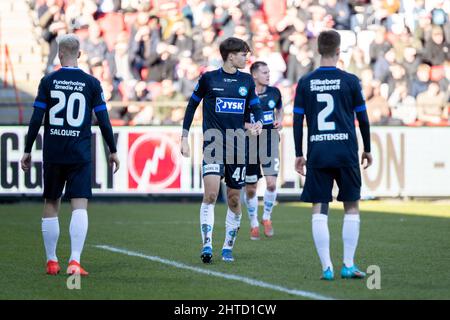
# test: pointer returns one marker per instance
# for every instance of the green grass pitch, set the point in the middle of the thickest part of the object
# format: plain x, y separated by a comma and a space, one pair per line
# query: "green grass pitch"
409, 241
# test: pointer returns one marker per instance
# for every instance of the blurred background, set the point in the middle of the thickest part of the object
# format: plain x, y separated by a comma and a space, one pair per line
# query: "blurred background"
149, 54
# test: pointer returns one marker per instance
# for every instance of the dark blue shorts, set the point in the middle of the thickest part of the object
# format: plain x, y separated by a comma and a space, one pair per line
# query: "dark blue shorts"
234, 173
75, 177
319, 184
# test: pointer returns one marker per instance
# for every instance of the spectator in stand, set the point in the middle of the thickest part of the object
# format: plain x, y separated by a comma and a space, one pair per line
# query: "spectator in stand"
432, 105
381, 67
377, 106
167, 100
340, 12
357, 62
80, 14
420, 84
410, 62
52, 21
181, 36
96, 48
402, 105
379, 46
437, 50
162, 63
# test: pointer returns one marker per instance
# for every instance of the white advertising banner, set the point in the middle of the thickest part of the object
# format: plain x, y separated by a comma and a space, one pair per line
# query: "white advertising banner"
412, 162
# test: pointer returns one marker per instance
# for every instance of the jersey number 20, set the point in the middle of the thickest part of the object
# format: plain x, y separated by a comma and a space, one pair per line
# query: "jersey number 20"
72, 120
325, 125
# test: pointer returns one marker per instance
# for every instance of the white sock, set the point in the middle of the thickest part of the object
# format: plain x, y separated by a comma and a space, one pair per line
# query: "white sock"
269, 200
350, 235
232, 224
321, 237
78, 230
207, 223
50, 233
252, 210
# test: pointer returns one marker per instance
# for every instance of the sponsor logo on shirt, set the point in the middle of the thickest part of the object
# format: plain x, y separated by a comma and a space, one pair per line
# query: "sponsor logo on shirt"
268, 117
230, 105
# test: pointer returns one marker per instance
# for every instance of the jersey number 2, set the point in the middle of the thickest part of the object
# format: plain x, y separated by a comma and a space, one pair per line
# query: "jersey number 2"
72, 120
325, 125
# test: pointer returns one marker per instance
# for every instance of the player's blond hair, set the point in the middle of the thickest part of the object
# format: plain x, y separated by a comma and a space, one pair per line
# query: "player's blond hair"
69, 45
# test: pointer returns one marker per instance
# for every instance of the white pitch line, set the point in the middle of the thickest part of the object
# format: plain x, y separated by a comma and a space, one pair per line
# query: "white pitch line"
250, 281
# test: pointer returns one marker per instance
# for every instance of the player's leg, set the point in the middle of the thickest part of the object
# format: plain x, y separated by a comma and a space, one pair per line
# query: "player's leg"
211, 184
78, 190
234, 179
54, 181
270, 171
349, 182
270, 196
253, 173
317, 189
50, 234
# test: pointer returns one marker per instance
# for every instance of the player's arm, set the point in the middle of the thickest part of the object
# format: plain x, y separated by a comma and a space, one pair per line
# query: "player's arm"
255, 108
194, 101
40, 105
278, 123
105, 126
364, 124
299, 115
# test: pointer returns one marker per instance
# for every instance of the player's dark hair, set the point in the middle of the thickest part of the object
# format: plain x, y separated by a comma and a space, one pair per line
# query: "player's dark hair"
255, 66
232, 45
328, 42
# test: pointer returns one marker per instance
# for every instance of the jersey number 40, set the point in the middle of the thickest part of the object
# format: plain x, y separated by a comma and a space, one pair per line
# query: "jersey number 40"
72, 119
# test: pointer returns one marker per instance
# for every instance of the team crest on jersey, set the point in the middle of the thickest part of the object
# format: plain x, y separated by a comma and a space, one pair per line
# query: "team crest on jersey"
243, 91
230, 105
271, 104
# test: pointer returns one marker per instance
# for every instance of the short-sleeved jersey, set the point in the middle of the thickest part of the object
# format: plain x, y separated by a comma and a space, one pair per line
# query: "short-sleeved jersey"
226, 97
270, 100
329, 98
68, 97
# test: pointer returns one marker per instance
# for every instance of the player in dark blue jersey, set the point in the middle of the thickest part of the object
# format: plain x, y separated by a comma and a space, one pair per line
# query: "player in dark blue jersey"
271, 105
330, 98
226, 93
67, 98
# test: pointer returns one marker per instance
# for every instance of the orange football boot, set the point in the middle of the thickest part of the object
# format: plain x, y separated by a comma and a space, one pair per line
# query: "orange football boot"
268, 230
254, 233
53, 267
75, 268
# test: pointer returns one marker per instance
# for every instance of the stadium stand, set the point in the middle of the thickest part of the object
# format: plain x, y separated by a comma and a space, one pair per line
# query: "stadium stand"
398, 48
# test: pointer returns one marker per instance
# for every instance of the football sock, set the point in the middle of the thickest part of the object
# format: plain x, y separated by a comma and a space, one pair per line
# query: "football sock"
50, 233
232, 223
207, 223
78, 230
350, 234
321, 237
252, 210
269, 200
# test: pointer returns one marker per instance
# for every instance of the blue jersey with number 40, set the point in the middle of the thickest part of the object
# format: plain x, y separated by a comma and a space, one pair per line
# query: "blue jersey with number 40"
329, 98
68, 97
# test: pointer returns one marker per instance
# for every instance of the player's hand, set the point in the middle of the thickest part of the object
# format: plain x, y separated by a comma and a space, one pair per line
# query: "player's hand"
368, 157
278, 125
185, 149
300, 163
25, 162
114, 160
257, 128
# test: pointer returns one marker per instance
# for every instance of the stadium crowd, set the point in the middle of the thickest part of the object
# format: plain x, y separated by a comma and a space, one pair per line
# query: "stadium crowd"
149, 54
